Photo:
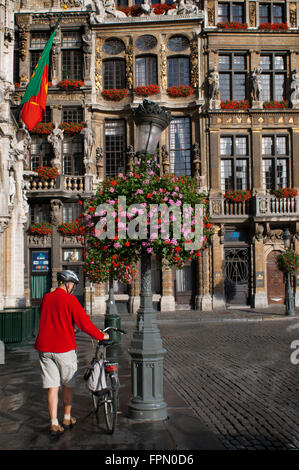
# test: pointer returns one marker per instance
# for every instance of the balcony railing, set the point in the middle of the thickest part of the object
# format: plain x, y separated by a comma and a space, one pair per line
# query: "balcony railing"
61, 183
262, 206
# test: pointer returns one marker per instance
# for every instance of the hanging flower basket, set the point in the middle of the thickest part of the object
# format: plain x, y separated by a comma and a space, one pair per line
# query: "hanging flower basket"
230, 104
273, 26
285, 192
237, 195
232, 25
115, 94
43, 128
71, 228
41, 229
147, 90
288, 262
70, 84
276, 104
71, 127
47, 172
178, 91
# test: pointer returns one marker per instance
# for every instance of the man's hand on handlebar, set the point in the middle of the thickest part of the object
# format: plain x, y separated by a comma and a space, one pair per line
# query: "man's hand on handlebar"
106, 336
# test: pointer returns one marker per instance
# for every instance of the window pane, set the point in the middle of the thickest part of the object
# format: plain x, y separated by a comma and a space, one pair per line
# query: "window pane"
180, 146
241, 146
39, 40
72, 115
237, 12
265, 62
72, 65
267, 145
277, 13
281, 145
239, 62
178, 71
146, 71
265, 13
226, 146
71, 39
268, 174
225, 86
279, 62
241, 174
266, 90
114, 147
223, 9
279, 87
282, 176
114, 74
224, 62
226, 175
239, 86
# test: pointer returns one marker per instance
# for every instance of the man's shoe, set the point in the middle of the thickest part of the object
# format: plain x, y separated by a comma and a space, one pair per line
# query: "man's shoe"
68, 423
56, 429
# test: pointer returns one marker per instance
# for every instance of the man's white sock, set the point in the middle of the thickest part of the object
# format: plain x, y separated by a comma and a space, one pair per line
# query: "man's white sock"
54, 421
67, 416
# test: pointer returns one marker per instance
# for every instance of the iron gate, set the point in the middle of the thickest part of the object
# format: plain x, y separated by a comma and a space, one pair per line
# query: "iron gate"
237, 276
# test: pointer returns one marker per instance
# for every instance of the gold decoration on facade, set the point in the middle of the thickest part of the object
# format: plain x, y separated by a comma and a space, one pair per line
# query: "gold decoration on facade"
163, 66
23, 25
293, 15
129, 64
252, 14
194, 61
98, 67
211, 13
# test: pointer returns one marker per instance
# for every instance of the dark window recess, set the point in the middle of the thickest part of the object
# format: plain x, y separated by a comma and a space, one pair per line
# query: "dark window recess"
73, 157
146, 70
231, 11
115, 144
274, 76
72, 115
178, 71
180, 146
275, 151
234, 162
233, 76
114, 73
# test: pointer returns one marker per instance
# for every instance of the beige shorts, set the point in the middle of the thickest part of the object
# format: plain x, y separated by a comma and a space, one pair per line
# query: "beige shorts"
58, 369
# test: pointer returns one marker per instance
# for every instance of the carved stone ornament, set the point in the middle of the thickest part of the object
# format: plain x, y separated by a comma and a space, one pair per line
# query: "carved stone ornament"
98, 64
23, 25
211, 13
259, 232
163, 66
56, 211
252, 14
129, 63
294, 98
194, 61
273, 235
293, 15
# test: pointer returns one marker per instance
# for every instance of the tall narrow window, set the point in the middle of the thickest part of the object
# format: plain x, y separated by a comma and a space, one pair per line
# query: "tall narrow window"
231, 11
115, 145
234, 162
232, 76
114, 73
72, 57
72, 114
40, 152
180, 146
146, 70
38, 40
178, 71
275, 150
272, 12
274, 75
73, 156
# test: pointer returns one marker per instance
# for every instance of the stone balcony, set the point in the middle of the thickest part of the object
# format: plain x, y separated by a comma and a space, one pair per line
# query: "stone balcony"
260, 207
63, 184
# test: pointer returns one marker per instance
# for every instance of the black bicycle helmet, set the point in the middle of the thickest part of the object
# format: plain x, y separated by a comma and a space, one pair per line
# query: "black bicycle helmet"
67, 276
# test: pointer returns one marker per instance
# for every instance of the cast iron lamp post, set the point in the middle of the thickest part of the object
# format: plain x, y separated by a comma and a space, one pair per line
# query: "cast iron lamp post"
289, 298
147, 402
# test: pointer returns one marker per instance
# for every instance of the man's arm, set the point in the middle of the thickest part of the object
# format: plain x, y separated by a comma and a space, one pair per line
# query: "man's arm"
84, 323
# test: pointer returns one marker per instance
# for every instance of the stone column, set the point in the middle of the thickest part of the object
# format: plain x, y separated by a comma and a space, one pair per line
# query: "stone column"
257, 160
218, 274
260, 289
99, 304
167, 298
214, 159
203, 299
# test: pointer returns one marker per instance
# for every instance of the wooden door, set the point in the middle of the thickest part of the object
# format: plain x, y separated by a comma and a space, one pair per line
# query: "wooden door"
275, 281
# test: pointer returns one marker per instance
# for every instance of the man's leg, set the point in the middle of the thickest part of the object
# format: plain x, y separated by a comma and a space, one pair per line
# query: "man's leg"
53, 402
67, 397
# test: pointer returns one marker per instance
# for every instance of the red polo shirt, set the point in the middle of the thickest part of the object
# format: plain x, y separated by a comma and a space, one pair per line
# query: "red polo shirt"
60, 311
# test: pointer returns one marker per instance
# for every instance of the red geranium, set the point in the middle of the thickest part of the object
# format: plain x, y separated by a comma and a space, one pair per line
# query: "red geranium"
115, 94
147, 90
181, 90
237, 195
232, 25
273, 26
230, 104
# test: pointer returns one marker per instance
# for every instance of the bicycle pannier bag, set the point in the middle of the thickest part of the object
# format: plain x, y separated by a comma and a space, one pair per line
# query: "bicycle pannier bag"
95, 376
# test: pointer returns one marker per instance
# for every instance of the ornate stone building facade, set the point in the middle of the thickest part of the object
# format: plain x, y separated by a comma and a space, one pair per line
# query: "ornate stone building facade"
222, 132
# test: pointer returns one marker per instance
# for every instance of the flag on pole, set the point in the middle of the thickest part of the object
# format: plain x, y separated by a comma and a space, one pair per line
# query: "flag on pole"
35, 98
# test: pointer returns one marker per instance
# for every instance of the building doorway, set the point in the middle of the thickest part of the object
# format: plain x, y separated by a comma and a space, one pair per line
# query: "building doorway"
237, 276
275, 281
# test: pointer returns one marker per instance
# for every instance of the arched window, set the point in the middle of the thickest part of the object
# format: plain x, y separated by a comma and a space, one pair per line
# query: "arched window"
146, 70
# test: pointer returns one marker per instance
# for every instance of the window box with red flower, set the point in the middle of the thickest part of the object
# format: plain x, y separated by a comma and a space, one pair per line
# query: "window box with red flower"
288, 262
231, 104
232, 25
147, 90
71, 228
47, 172
70, 84
71, 127
237, 195
276, 104
115, 94
273, 26
285, 192
43, 128
41, 229
179, 91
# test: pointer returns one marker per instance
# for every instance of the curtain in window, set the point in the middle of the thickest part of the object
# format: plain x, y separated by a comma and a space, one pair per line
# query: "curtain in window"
40, 285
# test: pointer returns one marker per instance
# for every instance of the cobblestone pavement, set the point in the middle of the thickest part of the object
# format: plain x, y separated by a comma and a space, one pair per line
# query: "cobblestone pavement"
239, 379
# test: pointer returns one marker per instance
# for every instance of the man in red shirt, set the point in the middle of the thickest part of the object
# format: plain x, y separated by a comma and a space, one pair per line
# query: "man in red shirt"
60, 311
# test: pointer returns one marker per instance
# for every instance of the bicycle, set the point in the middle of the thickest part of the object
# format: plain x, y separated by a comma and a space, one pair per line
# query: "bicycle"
107, 398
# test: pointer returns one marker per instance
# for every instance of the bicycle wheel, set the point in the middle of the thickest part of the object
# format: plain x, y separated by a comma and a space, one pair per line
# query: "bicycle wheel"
110, 404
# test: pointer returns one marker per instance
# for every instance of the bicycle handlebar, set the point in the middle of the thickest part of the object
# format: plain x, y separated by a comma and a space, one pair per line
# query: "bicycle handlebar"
115, 329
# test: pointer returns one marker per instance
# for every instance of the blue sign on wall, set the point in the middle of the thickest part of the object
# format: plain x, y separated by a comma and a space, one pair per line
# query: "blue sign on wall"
40, 261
